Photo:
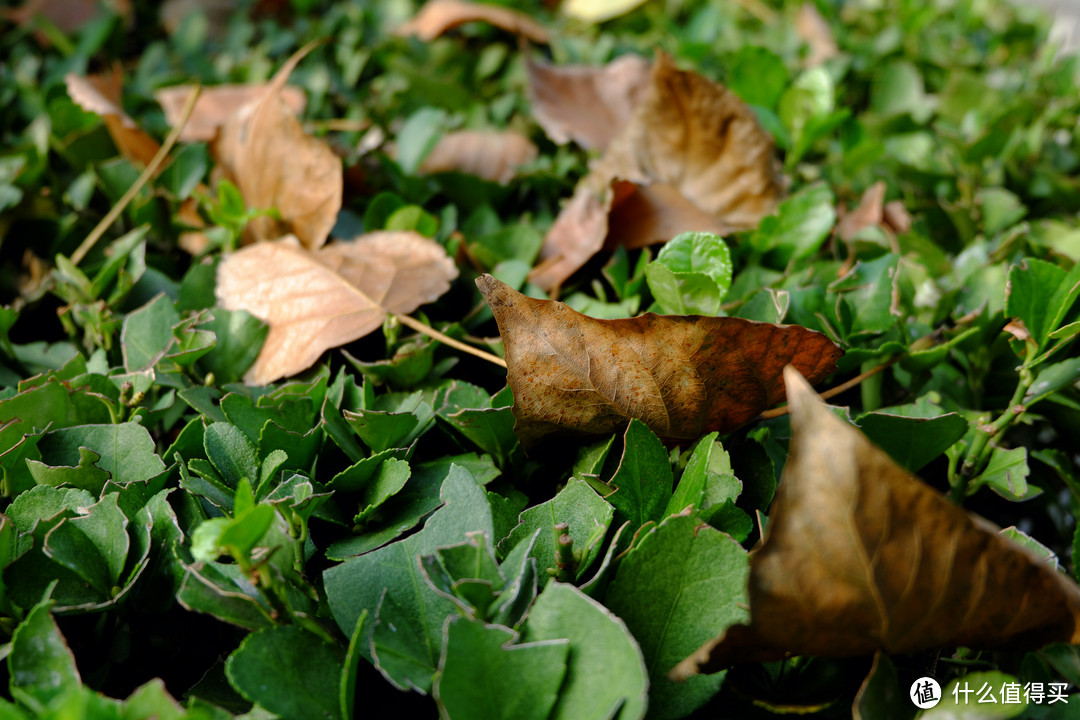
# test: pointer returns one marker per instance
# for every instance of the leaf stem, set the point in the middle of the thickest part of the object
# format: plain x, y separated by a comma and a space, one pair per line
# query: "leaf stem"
147, 174
834, 391
447, 340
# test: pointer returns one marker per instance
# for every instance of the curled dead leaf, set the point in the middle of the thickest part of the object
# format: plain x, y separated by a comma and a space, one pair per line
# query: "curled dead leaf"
438, 16
862, 556
688, 134
216, 105
101, 95
490, 154
314, 300
589, 105
264, 150
683, 376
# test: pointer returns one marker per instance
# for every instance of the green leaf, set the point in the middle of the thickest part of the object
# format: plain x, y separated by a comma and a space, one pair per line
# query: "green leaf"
484, 676
680, 586
44, 502
221, 590
898, 90
588, 516
353, 658
1052, 378
606, 675
758, 76
391, 478
799, 227
643, 479
418, 136
706, 480
1031, 289
232, 453
867, 293
239, 338
147, 334
126, 451
383, 430
86, 475
913, 441
94, 545
1006, 474
691, 274
40, 664
288, 671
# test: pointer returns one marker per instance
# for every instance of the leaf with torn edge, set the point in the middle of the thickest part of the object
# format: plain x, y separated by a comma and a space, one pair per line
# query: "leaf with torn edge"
589, 105
438, 16
101, 95
264, 150
683, 376
489, 154
316, 300
690, 134
216, 105
861, 556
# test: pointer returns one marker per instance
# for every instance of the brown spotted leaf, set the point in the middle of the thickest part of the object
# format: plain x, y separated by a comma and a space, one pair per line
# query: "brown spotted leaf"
217, 104
314, 300
689, 134
101, 95
589, 105
490, 154
438, 16
264, 150
862, 556
683, 376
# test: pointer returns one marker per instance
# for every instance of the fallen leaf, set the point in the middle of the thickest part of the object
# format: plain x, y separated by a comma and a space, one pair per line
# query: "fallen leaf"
101, 95
868, 213
648, 214
683, 376
216, 105
597, 11
589, 105
69, 16
813, 30
897, 217
438, 16
217, 13
862, 556
690, 134
264, 150
490, 154
314, 300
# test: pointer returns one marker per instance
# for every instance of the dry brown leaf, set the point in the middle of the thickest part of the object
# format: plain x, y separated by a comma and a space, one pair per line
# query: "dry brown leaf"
897, 217
648, 214
681, 376
101, 95
173, 13
69, 16
438, 16
314, 300
690, 134
216, 105
490, 154
869, 212
813, 30
275, 164
589, 105
862, 556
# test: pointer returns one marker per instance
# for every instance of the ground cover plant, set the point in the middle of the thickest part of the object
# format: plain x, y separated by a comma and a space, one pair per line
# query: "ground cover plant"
327, 390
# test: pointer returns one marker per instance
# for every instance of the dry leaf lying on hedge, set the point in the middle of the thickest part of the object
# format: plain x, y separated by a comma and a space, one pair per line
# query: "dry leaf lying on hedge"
869, 212
862, 556
69, 16
813, 30
589, 105
689, 133
490, 154
275, 164
320, 299
101, 95
216, 105
683, 376
438, 16
648, 214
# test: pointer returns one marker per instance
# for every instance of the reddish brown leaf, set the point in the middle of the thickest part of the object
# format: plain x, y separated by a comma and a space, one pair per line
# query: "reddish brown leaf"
681, 376
316, 300
101, 95
687, 133
438, 16
490, 154
648, 214
217, 104
862, 556
275, 164
588, 105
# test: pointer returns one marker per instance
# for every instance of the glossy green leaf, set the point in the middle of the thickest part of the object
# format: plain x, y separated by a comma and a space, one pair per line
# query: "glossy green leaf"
643, 479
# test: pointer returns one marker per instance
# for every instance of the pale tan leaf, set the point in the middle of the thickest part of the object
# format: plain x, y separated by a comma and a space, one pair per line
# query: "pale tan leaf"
101, 95
216, 105
490, 154
438, 16
264, 150
897, 217
217, 12
314, 300
597, 11
577, 234
589, 105
868, 213
69, 16
862, 556
813, 30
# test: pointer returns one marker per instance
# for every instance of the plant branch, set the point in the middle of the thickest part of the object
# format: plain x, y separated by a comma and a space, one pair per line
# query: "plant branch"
447, 340
834, 391
147, 174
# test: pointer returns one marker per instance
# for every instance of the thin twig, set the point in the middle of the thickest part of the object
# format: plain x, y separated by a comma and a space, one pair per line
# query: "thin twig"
834, 391
147, 173
447, 340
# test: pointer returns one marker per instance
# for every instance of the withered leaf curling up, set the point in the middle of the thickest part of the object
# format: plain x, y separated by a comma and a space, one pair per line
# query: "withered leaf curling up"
862, 556
683, 376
